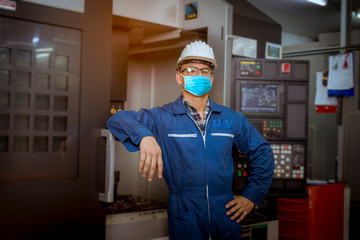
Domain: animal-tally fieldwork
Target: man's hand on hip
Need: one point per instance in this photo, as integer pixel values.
(239, 207)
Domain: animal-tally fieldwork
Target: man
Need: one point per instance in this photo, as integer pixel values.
(192, 140)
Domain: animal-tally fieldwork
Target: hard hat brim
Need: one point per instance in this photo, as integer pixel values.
(188, 59)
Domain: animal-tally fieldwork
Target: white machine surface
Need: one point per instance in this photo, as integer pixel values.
(268, 230)
(145, 225)
(153, 225)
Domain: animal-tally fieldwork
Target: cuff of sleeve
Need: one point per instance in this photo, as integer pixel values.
(139, 134)
(254, 194)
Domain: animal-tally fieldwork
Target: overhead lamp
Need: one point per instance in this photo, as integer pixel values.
(319, 2)
(356, 13)
(35, 40)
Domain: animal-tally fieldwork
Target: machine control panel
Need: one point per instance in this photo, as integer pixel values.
(271, 129)
(289, 160)
(289, 172)
(273, 95)
(241, 171)
(250, 68)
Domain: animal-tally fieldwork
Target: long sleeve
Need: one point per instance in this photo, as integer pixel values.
(129, 127)
(261, 161)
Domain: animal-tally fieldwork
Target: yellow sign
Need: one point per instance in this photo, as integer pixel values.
(247, 62)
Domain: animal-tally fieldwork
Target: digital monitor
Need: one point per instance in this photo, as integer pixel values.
(259, 99)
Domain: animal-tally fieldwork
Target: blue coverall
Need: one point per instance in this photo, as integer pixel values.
(198, 169)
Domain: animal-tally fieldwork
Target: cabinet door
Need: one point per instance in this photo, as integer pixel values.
(39, 112)
(42, 191)
(326, 211)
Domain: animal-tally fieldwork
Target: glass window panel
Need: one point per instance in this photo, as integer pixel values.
(4, 121)
(22, 100)
(42, 81)
(22, 79)
(62, 62)
(4, 78)
(5, 56)
(40, 144)
(41, 123)
(23, 58)
(60, 123)
(61, 82)
(42, 102)
(21, 143)
(60, 103)
(59, 144)
(21, 122)
(4, 143)
(4, 99)
(43, 60)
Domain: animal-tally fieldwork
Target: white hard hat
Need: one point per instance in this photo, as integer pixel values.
(197, 51)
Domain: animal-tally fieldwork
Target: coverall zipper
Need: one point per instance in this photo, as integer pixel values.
(207, 186)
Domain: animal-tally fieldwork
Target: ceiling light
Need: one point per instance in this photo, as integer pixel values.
(319, 2)
(356, 13)
(35, 40)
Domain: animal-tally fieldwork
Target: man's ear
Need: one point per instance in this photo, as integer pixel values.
(179, 79)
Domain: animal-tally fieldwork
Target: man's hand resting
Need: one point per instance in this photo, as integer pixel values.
(150, 157)
(239, 207)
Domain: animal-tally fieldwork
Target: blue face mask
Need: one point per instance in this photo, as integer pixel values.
(197, 85)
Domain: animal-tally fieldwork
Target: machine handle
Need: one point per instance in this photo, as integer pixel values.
(108, 195)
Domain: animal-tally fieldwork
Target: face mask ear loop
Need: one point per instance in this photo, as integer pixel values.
(182, 85)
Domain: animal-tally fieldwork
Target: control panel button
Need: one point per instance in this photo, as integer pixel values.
(269, 128)
(289, 160)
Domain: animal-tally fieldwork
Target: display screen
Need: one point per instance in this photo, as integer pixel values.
(250, 68)
(259, 98)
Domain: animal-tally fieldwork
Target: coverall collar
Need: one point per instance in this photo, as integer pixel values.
(179, 107)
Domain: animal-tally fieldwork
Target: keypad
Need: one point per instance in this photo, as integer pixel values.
(269, 128)
(289, 161)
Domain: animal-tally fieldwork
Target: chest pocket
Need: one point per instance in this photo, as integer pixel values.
(222, 135)
(182, 135)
